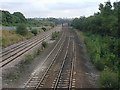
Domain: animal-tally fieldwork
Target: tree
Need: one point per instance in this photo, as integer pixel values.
(21, 18)
(7, 18)
(108, 8)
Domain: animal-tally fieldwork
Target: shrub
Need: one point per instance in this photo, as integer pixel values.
(44, 44)
(38, 51)
(35, 32)
(28, 58)
(109, 79)
(22, 30)
(44, 29)
(99, 65)
(52, 25)
(54, 35)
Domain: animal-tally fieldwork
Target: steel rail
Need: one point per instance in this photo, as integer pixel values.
(72, 66)
(22, 44)
(21, 49)
(61, 69)
(43, 77)
(5, 62)
(45, 59)
(4, 51)
(17, 47)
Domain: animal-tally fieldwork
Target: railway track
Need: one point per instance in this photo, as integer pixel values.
(13, 53)
(5, 52)
(18, 45)
(12, 47)
(62, 80)
(35, 80)
(66, 77)
(58, 82)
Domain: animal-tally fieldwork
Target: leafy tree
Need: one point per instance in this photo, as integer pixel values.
(103, 34)
(22, 18)
(7, 18)
(12, 19)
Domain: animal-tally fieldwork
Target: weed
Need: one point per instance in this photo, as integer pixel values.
(34, 31)
(44, 44)
(54, 35)
(109, 79)
(28, 58)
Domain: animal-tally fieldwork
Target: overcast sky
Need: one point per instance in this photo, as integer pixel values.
(52, 8)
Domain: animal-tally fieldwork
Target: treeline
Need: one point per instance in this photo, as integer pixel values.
(18, 18)
(104, 22)
(43, 22)
(9, 19)
(102, 40)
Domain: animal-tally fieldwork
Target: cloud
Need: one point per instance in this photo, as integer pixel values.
(52, 8)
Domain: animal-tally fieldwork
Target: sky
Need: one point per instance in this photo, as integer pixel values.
(52, 8)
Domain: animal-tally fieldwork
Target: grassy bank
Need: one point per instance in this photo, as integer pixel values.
(10, 37)
(103, 54)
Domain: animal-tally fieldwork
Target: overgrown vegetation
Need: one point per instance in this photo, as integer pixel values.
(109, 79)
(34, 31)
(22, 29)
(102, 41)
(10, 37)
(44, 29)
(54, 35)
(44, 44)
(28, 58)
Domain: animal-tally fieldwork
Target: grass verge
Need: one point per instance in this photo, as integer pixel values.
(10, 37)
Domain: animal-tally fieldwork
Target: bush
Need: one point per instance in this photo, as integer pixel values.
(52, 25)
(22, 30)
(28, 58)
(38, 51)
(109, 79)
(35, 32)
(44, 29)
(99, 65)
(44, 44)
(54, 35)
